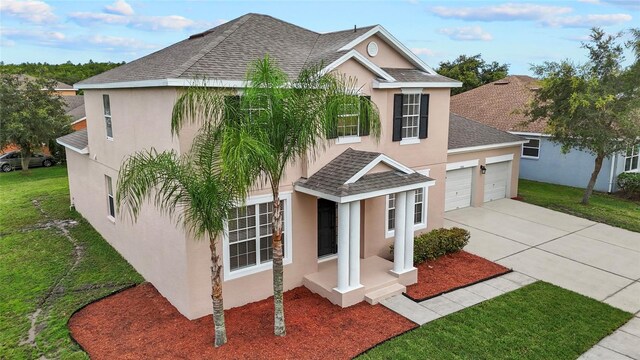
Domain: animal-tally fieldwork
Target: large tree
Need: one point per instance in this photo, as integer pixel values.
(472, 71)
(593, 107)
(277, 122)
(31, 114)
(193, 190)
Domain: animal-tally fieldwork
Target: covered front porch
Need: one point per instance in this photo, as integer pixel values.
(348, 181)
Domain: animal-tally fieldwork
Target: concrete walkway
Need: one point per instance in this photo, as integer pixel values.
(437, 307)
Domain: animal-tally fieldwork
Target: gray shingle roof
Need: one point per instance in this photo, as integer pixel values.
(74, 107)
(465, 133)
(331, 178)
(224, 52)
(415, 75)
(77, 139)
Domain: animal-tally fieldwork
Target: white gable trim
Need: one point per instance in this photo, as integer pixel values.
(397, 85)
(83, 151)
(77, 121)
(397, 45)
(352, 54)
(381, 158)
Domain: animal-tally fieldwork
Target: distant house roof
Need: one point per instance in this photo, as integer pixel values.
(58, 86)
(74, 107)
(77, 141)
(347, 175)
(223, 54)
(465, 133)
(499, 104)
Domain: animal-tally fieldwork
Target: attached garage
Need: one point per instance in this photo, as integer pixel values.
(496, 180)
(458, 188)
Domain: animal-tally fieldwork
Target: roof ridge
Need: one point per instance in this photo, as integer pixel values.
(357, 28)
(283, 21)
(212, 45)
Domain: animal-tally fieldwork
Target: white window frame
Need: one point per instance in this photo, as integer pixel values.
(416, 226)
(350, 139)
(288, 250)
(108, 121)
(405, 98)
(108, 184)
(635, 153)
(531, 147)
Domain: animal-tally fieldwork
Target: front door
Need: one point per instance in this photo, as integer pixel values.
(327, 237)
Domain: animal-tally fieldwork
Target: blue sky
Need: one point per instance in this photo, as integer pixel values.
(519, 33)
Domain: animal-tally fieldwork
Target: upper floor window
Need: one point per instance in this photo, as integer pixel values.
(349, 119)
(107, 116)
(631, 159)
(531, 149)
(352, 120)
(410, 117)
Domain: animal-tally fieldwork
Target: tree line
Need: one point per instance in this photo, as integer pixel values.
(68, 73)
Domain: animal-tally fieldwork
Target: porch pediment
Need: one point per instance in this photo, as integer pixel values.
(356, 175)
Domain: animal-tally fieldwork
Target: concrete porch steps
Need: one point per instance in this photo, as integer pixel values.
(375, 296)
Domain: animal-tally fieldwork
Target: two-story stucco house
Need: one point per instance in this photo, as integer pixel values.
(342, 210)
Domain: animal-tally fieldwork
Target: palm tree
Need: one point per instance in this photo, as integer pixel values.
(193, 190)
(275, 123)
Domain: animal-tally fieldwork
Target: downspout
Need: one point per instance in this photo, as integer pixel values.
(614, 157)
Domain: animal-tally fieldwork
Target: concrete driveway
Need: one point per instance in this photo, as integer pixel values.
(593, 259)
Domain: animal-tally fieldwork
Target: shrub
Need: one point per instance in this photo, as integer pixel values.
(629, 183)
(438, 242)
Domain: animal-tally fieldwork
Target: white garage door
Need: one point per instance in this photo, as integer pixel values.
(496, 181)
(458, 189)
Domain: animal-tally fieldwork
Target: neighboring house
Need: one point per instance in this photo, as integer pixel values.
(499, 104)
(355, 198)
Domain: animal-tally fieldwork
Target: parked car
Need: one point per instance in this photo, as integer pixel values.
(13, 160)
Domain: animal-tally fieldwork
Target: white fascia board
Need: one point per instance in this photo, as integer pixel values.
(352, 54)
(315, 193)
(523, 133)
(397, 45)
(164, 83)
(77, 121)
(363, 196)
(497, 159)
(486, 147)
(79, 151)
(381, 158)
(396, 85)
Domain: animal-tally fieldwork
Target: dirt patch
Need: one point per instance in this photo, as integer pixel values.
(451, 272)
(140, 323)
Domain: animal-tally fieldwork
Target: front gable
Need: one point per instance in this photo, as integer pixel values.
(386, 56)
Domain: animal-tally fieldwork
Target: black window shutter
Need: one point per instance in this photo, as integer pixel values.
(231, 107)
(397, 117)
(365, 125)
(424, 116)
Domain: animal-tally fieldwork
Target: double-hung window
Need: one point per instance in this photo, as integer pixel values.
(349, 119)
(106, 103)
(531, 149)
(418, 215)
(410, 116)
(631, 159)
(111, 209)
(248, 238)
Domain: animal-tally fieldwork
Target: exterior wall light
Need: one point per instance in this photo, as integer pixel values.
(483, 169)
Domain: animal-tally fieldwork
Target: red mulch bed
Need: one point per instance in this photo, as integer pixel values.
(450, 272)
(139, 323)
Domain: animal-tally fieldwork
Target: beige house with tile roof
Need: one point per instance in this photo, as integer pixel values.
(342, 210)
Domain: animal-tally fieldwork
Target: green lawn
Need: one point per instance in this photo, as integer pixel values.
(36, 265)
(604, 208)
(539, 321)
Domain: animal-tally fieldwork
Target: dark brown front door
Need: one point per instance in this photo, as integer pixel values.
(327, 237)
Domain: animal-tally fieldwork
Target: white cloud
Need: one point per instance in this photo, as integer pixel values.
(33, 11)
(468, 33)
(423, 51)
(59, 40)
(588, 21)
(120, 7)
(503, 12)
(150, 23)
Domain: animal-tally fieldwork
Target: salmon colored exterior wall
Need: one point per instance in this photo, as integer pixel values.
(177, 264)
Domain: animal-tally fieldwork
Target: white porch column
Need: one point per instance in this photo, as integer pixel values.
(408, 229)
(398, 245)
(343, 247)
(354, 244)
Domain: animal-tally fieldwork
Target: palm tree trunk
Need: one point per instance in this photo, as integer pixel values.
(216, 295)
(278, 270)
(592, 182)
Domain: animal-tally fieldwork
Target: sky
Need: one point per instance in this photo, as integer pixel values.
(519, 33)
